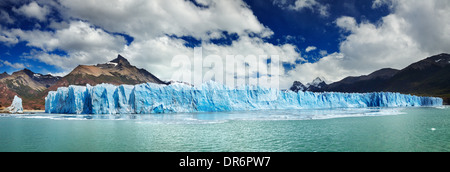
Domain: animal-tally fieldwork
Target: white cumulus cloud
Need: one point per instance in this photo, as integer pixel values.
(414, 30)
(144, 19)
(13, 65)
(33, 10)
(91, 32)
(83, 43)
(299, 5)
(157, 26)
(310, 48)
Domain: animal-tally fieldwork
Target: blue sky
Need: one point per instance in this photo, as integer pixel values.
(308, 28)
(314, 38)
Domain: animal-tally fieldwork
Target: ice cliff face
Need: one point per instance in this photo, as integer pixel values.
(211, 97)
(16, 106)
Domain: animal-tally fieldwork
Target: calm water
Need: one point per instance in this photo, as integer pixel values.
(375, 129)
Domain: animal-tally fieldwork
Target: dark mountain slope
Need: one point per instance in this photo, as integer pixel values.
(366, 83)
(428, 77)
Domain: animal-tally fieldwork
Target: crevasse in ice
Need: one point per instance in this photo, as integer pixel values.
(210, 97)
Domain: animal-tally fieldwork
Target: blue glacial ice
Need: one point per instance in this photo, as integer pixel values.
(211, 97)
(16, 106)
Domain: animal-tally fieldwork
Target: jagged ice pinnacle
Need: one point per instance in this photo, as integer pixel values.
(210, 97)
(16, 105)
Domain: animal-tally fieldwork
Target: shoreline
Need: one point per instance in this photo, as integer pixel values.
(33, 111)
(24, 111)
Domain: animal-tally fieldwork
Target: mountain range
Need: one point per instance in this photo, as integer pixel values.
(118, 71)
(33, 87)
(27, 85)
(428, 77)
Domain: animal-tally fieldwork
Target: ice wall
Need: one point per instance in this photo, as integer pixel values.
(211, 97)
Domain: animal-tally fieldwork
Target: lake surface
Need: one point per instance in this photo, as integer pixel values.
(325, 130)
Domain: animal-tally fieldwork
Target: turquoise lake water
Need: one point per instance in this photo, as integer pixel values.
(327, 130)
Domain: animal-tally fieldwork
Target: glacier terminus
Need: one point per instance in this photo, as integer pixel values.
(152, 98)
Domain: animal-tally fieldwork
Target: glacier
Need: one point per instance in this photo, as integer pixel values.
(152, 98)
(16, 105)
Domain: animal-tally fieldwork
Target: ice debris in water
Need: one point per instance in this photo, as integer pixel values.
(151, 98)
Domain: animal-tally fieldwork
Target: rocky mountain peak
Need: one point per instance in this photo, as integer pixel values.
(24, 71)
(317, 81)
(440, 60)
(3, 75)
(316, 84)
(120, 60)
(298, 86)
